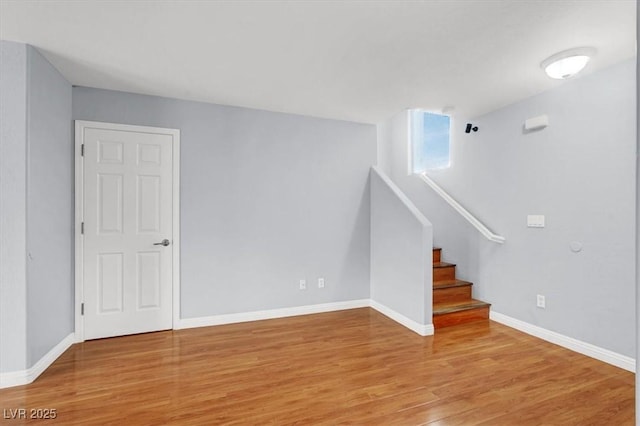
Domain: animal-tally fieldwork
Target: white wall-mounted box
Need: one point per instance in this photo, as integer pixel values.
(535, 221)
(536, 123)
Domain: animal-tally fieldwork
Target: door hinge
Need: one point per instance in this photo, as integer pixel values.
(82, 150)
(82, 309)
(82, 228)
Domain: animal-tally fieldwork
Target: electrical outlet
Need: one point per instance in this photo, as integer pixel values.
(303, 284)
(320, 282)
(541, 302)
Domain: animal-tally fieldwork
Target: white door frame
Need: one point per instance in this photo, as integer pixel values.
(80, 126)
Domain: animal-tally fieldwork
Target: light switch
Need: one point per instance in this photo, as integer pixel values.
(535, 221)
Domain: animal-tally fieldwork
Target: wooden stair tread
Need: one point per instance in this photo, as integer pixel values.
(443, 265)
(447, 308)
(450, 283)
(452, 298)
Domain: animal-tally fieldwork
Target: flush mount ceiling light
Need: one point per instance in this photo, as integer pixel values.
(567, 63)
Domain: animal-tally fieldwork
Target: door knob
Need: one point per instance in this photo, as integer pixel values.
(164, 242)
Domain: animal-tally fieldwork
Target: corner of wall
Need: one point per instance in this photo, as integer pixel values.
(49, 208)
(637, 214)
(13, 184)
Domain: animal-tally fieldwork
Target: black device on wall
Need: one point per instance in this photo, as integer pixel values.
(471, 127)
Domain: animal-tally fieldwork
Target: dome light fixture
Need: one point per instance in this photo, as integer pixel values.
(567, 63)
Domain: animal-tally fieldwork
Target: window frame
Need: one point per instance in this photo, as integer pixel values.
(415, 125)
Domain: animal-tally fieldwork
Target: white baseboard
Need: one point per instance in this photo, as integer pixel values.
(270, 314)
(575, 345)
(23, 377)
(421, 329)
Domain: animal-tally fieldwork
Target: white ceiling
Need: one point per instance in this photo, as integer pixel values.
(353, 60)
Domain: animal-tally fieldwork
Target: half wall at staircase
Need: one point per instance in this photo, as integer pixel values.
(401, 244)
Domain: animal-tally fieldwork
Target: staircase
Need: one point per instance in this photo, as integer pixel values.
(452, 302)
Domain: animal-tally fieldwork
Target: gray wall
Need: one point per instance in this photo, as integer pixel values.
(580, 173)
(267, 199)
(50, 208)
(401, 252)
(13, 205)
(36, 196)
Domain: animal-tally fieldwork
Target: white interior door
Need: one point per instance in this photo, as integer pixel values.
(128, 236)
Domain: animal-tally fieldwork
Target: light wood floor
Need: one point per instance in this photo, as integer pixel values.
(349, 367)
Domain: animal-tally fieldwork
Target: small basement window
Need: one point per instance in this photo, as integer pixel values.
(429, 141)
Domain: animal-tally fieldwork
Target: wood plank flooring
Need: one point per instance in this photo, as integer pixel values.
(349, 367)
